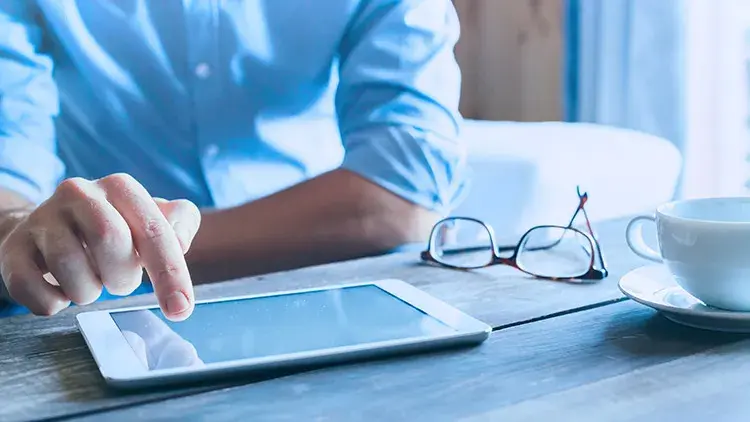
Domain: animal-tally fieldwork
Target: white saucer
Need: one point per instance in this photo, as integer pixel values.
(655, 287)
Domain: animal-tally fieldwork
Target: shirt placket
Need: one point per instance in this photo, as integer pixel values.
(203, 50)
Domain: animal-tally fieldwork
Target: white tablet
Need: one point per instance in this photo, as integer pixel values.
(137, 347)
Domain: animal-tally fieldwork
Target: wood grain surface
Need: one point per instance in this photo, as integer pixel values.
(511, 53)
(709, 385)
(617, 362)
(47, 370)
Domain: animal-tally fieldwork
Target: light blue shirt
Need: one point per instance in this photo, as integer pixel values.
(226, 101)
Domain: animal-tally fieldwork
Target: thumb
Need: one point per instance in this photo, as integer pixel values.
(184, 217)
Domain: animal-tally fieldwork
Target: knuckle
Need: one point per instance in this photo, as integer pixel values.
(73, 187)
(166, 273)
(119, 180)
(73, 196)
(154, 229)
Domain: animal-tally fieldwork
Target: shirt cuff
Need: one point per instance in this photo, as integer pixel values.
(418, 166)
(28, 169)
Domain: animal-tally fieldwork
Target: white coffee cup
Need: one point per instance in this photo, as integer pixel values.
(705, 244)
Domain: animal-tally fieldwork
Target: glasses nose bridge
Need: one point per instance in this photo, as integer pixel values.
(506, 260)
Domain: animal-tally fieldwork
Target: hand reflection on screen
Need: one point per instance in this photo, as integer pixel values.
(155, 344)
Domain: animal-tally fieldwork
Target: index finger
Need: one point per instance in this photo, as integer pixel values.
(156, 243)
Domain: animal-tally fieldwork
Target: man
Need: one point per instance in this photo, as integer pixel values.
(108, 106)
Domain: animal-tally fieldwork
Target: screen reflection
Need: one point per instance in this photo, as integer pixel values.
(259, 327)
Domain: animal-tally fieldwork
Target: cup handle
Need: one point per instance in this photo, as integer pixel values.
(634, 237)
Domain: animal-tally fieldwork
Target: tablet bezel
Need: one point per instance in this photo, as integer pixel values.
(120, 366)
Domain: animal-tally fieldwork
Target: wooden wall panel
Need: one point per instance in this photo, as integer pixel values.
(510, 56)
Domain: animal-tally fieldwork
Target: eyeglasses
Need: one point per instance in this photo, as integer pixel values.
(548, 251)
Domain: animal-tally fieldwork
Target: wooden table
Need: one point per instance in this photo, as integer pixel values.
(559, 351)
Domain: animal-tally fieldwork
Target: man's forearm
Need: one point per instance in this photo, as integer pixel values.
(333, 217)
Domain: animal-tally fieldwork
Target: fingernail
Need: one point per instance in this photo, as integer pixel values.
(183, 235)
(177, 303)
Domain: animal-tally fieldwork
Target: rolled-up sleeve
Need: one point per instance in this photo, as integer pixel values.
(397, 101)
(29, 103)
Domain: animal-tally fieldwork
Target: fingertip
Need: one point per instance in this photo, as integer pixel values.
(121, 289)
(48, 308)
(179, 317)
(88, 297)
(33, 292)
(124, 283)
(60, 305)
(178, 306)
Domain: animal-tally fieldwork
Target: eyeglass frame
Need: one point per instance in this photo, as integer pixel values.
(592, 274)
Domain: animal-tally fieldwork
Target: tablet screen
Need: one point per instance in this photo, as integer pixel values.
(272, 325)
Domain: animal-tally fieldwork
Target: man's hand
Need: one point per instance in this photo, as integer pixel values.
(91, 234)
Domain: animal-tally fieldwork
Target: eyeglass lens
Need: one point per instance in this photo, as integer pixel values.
(462, 243)
(555, 252)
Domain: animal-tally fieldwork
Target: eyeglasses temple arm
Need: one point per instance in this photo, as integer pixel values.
(596, 241)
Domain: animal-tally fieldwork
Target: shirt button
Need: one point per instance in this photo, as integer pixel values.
(203, 70)
(212, 151)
